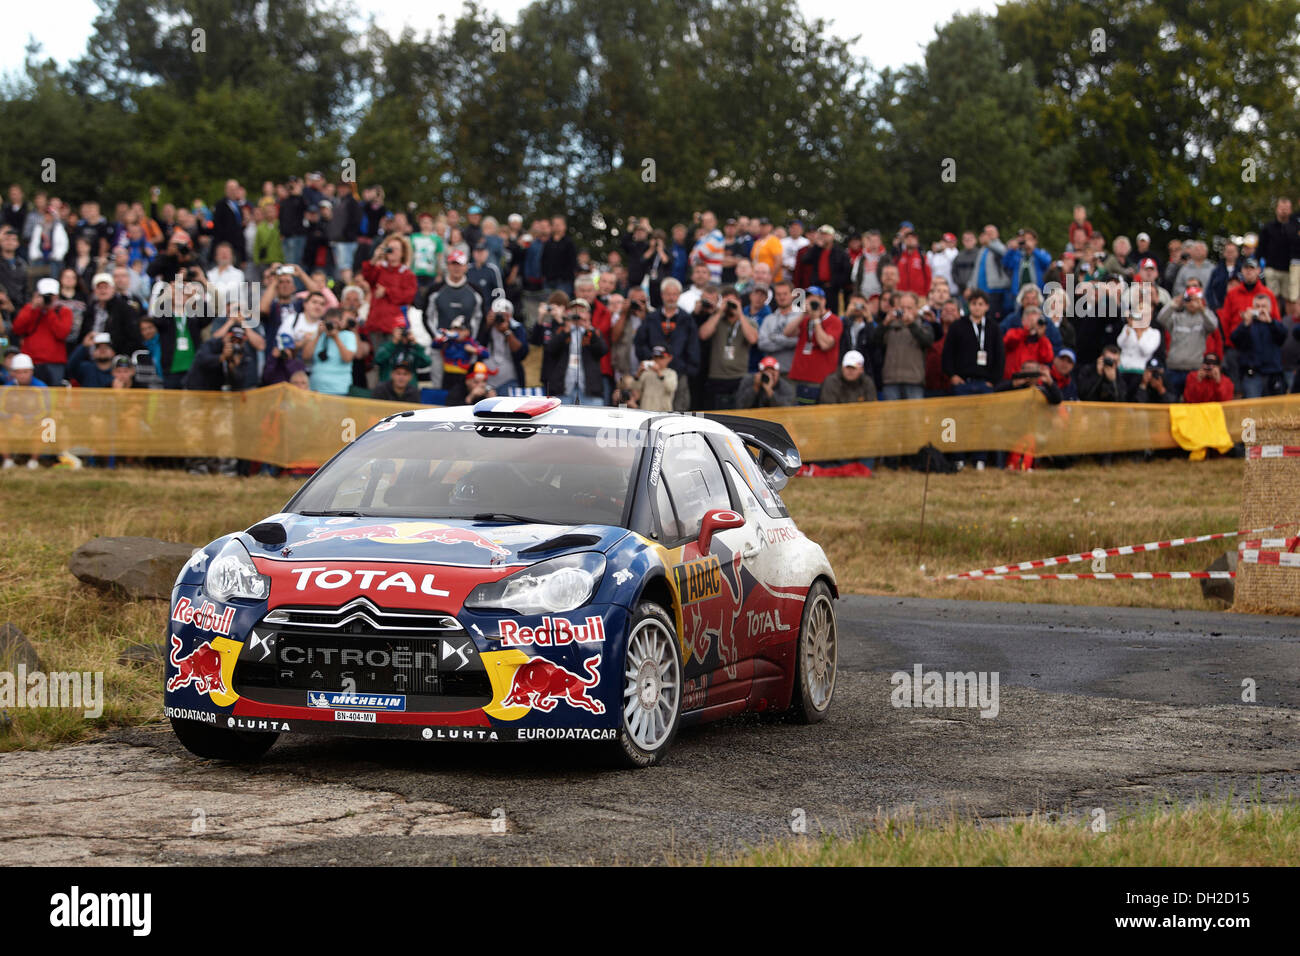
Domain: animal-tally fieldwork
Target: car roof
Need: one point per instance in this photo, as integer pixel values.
(590, 416)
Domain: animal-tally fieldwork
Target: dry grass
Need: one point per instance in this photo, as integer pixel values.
(1203, 834)
(868, 527)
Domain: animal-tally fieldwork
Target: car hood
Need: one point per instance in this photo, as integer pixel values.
(447, 541)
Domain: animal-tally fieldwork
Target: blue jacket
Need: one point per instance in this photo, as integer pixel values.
(1259, 346)
(1011, 262)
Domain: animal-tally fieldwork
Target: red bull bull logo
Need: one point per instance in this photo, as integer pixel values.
(201, 667)
(461, 536)
(542, 684)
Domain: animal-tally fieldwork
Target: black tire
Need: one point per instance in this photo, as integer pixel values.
(219, 743)
(807, 705)
(632, 748)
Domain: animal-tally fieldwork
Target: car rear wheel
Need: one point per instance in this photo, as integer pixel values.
(219, 743)
(652, 688)
(815, 657)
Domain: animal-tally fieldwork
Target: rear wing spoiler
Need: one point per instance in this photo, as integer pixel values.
(777, 455)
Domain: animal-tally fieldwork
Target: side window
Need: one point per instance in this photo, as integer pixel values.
(669, 528)
(695, 482)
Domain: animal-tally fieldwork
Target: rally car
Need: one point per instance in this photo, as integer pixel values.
(516, 570)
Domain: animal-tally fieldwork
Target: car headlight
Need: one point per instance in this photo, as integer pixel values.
(560, 584)
(231, 574)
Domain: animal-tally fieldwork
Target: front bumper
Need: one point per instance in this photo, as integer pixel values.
(431, 675)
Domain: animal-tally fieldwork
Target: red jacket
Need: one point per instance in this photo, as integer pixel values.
(913, 273)
(1205, 390)
(399, 289)
(602, 320)
(44, 333)
(1020, 350)
(1238, 299)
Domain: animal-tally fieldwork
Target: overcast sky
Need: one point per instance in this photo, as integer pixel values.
(890, 33)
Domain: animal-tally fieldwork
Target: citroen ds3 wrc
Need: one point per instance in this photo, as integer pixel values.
(519, 570)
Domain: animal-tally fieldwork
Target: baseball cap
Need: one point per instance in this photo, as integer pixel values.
(481, 244)
(826, 230)
(123, 361)
(1210, 359)
(20, 362)
(475, 210)
(1250, 262)
(1142, 236)
(764, 221)
(949, 237)
(1068, 353)
(1148, 263)
(286, 340)
(325, 202)
(47, 287)
(854, 358)
(479, 369)
(458, 322)
(580, 303)
(404, 360)
(758, 287)
(817, 291)
(1193, 292)
(180, 237)
(503, 304)
(906, 224)
(102, 338)
(769, 361)
(101, 277)
(456, 255)
(237, 332)
(658, 350)
(1250, 239)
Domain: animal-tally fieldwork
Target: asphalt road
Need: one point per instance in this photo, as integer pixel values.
(1097, 707)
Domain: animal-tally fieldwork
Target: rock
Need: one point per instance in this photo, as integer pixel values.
(1222, 588)
(142, 654)
(136, 567)
(15, 649)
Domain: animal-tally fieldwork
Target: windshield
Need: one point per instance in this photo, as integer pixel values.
(475, 470)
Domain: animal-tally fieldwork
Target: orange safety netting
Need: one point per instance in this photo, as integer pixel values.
(287, 426)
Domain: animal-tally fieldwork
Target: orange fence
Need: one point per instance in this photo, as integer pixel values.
(283, 425)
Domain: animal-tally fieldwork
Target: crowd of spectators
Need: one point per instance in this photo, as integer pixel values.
(327, 288)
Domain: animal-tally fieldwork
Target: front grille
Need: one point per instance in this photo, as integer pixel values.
(359, 647)
(360, 616)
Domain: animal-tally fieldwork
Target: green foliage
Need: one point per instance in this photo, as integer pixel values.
(603, 110)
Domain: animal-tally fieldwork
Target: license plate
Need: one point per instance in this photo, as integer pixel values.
(356, 716)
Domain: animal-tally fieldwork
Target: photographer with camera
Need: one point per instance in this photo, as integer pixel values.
(575, 351)
(1101, 383)
(1153, 388)
(731, 336)
(677, 332)
(282, 360)
(817, 345)
(1208, 383)
(1029, 343)
(178, 256)
(904, 337)
(767, 388)
(656, 383)
(1258, 341)
(401, 344)
(334, 346)
(505, 345)
(1139, 342)
(392, 285)
(44, 326)
(459, 353)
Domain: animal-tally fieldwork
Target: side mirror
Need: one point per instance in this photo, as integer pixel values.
(719, 519)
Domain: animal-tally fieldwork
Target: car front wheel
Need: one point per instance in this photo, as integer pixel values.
(219, 743)
(652, 688)
(815, 657)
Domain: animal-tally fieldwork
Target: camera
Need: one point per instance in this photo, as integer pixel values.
(284, 271)
(330, 326)
(1108, 361)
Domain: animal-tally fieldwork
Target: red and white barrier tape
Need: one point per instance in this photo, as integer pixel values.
(1285, 544)
(1117, 576)
(1003, 570)
(1281, 559)
(1256, 452)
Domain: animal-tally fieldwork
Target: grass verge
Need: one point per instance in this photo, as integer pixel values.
(1201, 834)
